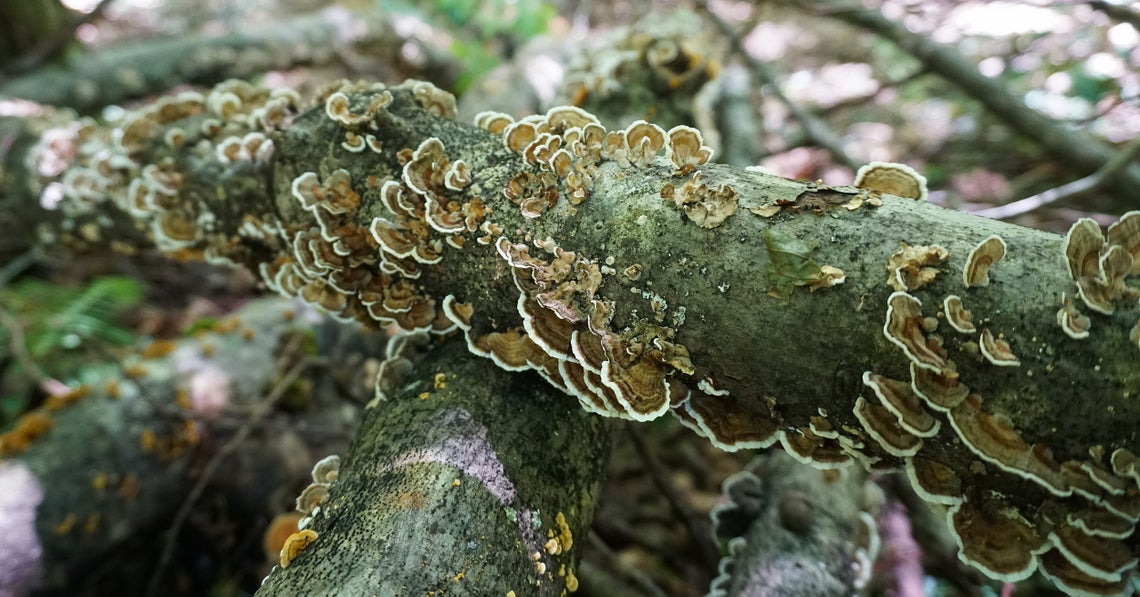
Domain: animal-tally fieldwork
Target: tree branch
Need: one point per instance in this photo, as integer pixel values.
(1069, 146)
(667, 288)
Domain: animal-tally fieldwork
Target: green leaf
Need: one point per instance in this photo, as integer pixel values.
(789, 264)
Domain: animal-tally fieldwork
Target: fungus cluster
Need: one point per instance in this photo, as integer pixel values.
(1099, 265)
(1074, 537)
(912, 267)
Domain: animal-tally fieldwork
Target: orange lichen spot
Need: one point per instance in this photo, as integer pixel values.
(134, 371)
(148, 441)
(440, 381)
(912, 267)
(997, 350)
(957, 315)
(294, 545)
(893, 179)
(27, 429)
(66, 525)
(129, 487)
(278, 532)
(91, 523)
(158, 349)
(996, 540)
(981, 259)
(59, 401)
(112, 389)
(904, 328)
(207, 349)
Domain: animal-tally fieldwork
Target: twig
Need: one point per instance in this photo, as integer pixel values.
(698, 529)
(627, 573)
(814, 128)
(1076, 187)
(19, 349)
(1076, 148)
(17, 266)
(266, 406)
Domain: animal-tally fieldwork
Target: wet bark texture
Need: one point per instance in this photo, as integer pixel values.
(466, 481)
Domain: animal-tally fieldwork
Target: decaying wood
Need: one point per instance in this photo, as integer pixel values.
(703, 285)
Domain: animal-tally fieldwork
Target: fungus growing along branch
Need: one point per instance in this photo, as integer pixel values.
(464, 479)
(641, 279)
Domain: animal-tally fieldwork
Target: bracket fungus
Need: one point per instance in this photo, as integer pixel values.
(997, 350)
(912, 267)
(957, 315)
(686, 149)
(898, 398)
(978, 262)
(998, 541)
(892, 179)
(884, 428)
(295, 544)
(1075, 324)
(1099, 267)
(904, 328)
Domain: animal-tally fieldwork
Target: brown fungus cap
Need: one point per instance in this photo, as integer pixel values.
(892, 179)
(996, 540)
(1057, 568)
(994, 440)
(912, 267)
(546, 329)
(934, 481)
(1074, 323)
(728, 423)
(686, 149)
(941, 391)
(996, 350)
(510, 350)
(1125, 233)
(493, 122)
(643, 140)
(903, 328)
(882, 426)
(897, 397)
(978, 262)
(1099, 557)
(295, 544)
(957, 315)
